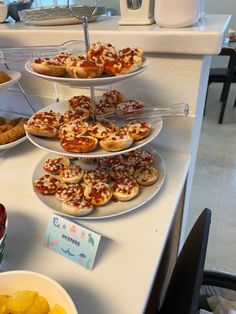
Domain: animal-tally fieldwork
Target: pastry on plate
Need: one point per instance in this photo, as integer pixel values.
(98, 194)
(68, 191)
(95, 175)
(77, 207)
(83, 68)
(72, 129)
(146, 175)
(72, 174)
(129, 60)
(117, 141)
(46, 184)
(125, 189)
(49, 67)
(110, 161)
(138, 130)
(102, 128)
(81, 114)
(80, 144)
(80, 102)
(56, 164)
(140, 158)
(128, 107)
(44, 123)
(108, 102)
(121, 170)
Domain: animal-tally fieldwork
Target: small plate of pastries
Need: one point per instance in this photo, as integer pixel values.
(103, 64)
(8, 79)
(100, 187)
(66, 128)
(12, 130)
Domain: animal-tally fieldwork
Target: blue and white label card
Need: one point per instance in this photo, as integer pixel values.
(72, 240)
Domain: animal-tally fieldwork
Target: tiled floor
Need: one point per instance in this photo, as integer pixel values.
(214, 183)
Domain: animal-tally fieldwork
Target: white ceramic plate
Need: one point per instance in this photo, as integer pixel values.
(15, 76)
(53, 144)
(111, 209)
(104, 79)
(9, 116)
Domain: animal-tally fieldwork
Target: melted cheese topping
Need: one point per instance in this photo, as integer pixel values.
(56, 165)
(68, 191)
(46, 184)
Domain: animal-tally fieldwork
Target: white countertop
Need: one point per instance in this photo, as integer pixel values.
(205, 38)
(131, 245)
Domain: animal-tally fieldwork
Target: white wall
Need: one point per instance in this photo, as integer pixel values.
(222, 7)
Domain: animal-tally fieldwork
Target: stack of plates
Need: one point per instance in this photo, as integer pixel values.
(59, 15)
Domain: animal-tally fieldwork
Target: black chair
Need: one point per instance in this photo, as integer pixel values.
(220, 75)
(227, 76)
(189, 284)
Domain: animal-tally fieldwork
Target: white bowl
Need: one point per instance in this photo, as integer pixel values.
(11, 281)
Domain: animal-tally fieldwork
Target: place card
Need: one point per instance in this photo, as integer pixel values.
(68, 238)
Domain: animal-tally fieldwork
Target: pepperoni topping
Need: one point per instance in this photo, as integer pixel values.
(108, 162)
(68, 191)
(71, 172)
(102, 128)
(80, 102)
(125, 185)
(98, 194)
(46, 184)
(72, 129)
(140, 158)
(121, 170)
(96, 175)
(56, 165)
(49, 118)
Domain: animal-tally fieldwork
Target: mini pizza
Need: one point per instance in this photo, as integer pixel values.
(71, 115)
(129, 60)
(146, 175)
(80, 102)
(56, 165)
(49, 67)
(96, 175)
(72, 129)
(102, 128)
(44, 123)
(104, 109)
(112, 97)
(129, 107)
(46, 185)
(110, 161)
(80, 144)
(117, 141)
(72, 174)
(77, 207)
(140, 158)
(50, 118)
(98, 194)
(108, 102)
(138, 130)
(102, 52)
(40, 129)
(83, 68)
(121, 170)
(68, 191)
(125, 189)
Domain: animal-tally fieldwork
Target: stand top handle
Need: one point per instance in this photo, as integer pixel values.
(84, 19)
